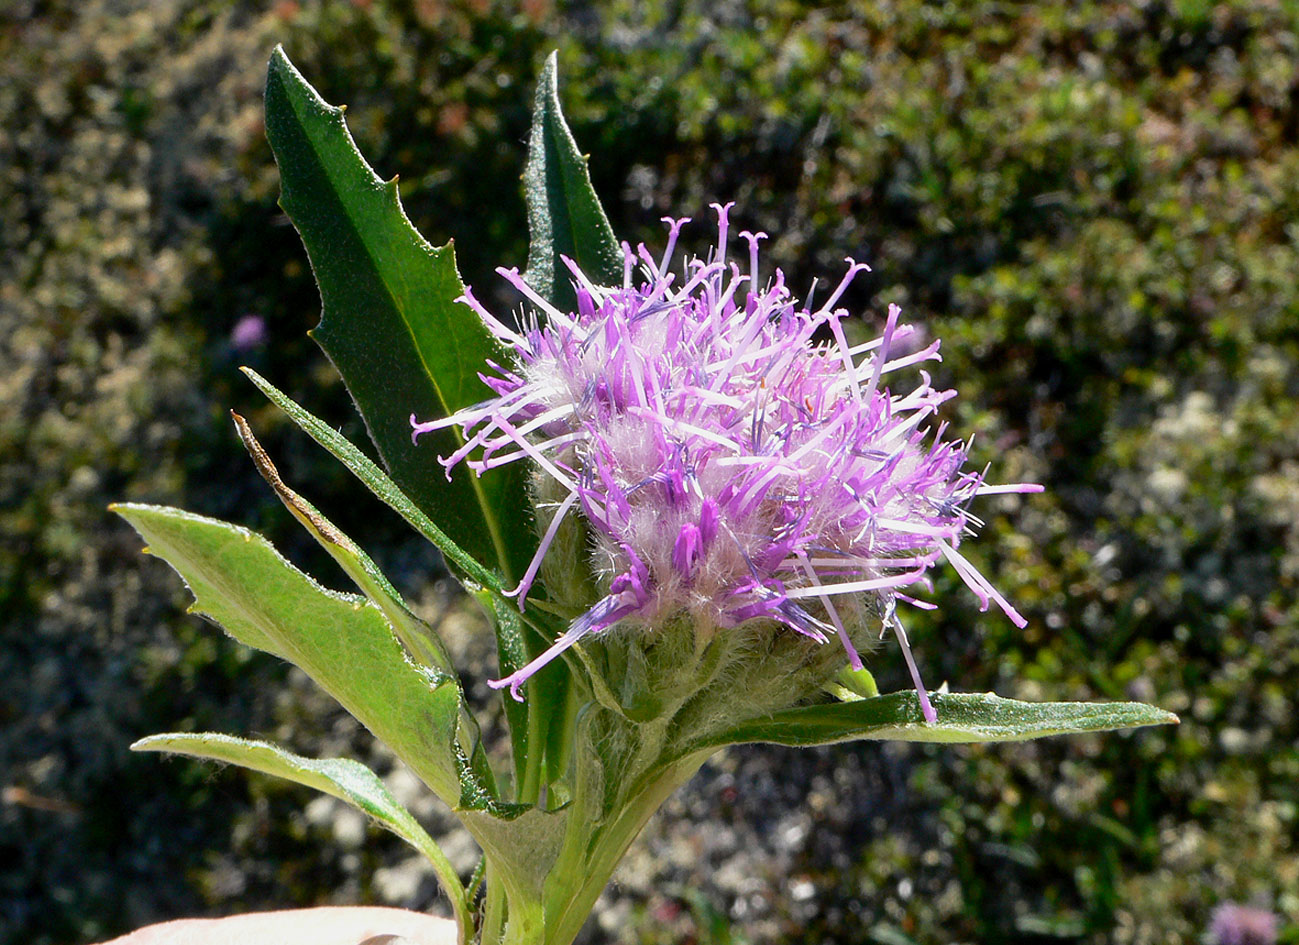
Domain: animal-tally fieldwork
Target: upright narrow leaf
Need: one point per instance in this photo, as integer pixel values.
(390, 322)
(511, 653)
(378, 482)
(565, 218)
(564, 214)
(421, 640)
(518, 641)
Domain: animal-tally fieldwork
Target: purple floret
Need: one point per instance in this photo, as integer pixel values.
(1236, 924)
(726, 464)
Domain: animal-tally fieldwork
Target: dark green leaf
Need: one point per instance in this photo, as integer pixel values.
(564, 214)
(512, 655)
(390, 322)
(962, 717)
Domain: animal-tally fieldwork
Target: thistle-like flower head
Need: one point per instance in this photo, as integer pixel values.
(727, 464)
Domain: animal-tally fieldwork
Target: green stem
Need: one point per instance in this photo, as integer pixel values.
(559, 753)
(529, 791)
(455, 892)
(525, 924)
(493, 911)
(476, 880)
(609, 844)
(510, 916)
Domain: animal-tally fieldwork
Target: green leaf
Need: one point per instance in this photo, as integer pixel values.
(962, 717)
(378, 482)
(345, 644)
(420, 640)
(521, 848)
(564, 214)
(390, 322)
(342, 641)
(512, 655)
(539, 729)
(517, 640)
(347, 780)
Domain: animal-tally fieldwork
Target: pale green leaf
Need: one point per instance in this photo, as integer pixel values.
(962, 717)
(420, 640)
(347, 780)
(342, 641)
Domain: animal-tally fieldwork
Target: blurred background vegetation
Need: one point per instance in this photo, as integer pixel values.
(1096, 206)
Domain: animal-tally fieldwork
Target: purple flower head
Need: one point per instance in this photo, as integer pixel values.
(1235, 924)
(249, 332)
(727, 464)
